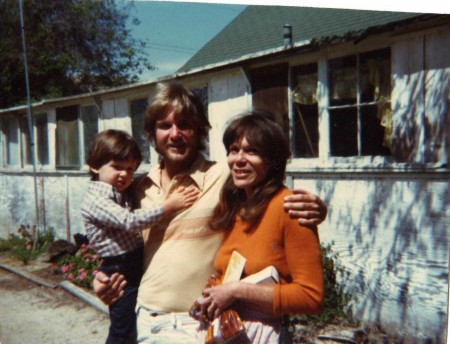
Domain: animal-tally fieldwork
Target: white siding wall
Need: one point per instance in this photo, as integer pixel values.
(391, 233)
(228, 96)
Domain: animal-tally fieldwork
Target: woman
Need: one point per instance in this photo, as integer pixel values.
(250, 209)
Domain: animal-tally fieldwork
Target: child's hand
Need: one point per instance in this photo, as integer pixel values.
(181, 198)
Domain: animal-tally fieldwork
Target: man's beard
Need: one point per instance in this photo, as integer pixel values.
(184, 158)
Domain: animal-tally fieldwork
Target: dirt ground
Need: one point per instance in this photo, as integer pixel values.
(30, 313)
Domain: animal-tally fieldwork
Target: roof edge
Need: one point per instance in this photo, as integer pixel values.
(267, 52)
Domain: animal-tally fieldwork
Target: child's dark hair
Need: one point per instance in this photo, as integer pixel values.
(112, 144)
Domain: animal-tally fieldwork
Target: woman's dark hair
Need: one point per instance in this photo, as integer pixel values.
(272, 144)
(185, 102)
(111, 145)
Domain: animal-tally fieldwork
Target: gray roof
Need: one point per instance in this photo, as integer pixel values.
(260, 28)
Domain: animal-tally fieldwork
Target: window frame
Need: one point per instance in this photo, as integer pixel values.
(41, 129)
(325, 159)
(140, 135)
(359, 105)
(68, 165)
(26, 158)
(6, 142)
(87, 134)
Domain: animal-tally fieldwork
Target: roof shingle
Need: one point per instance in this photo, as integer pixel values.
(260, 28)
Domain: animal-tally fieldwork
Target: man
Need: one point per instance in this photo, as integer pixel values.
(179, 251)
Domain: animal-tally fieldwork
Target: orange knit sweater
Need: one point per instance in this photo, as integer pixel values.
(293, 250)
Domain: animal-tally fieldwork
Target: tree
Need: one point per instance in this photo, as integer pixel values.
(73, 46)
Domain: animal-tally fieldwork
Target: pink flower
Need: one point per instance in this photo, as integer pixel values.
(95, 257)
(82, 275)
(95, 272)
(70, 276)
(88, 260)
(64, 268)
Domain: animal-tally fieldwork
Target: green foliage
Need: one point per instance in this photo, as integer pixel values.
(73, 46)
(337, 300)
(80, 268)
(29, 244)
(12, 242)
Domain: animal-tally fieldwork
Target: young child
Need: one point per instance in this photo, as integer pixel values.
(113, 229)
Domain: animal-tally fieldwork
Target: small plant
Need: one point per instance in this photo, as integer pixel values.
(337, 300)
(80, 268)
(29, 244)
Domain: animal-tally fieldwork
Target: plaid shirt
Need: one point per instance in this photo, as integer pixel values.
(111, 226)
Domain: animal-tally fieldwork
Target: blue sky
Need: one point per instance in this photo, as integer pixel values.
(175, 30)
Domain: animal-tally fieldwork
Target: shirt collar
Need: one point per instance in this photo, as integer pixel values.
(103, 189)
(196, 172)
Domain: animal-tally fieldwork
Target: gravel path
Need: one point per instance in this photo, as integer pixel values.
(34, 314)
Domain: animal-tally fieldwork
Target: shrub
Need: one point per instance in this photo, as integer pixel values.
(337, 300)
(80, 268)
(30, 244)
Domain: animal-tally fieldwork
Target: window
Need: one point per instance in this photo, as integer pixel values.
(359, 91)
(202, 92)
(11, 134)
(137, 113)
(25, 142)
(305, 111)
(269, 91)
(89, 118)
(41, 139)
(67, 137)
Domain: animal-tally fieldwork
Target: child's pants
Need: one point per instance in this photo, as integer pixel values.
(122, 313)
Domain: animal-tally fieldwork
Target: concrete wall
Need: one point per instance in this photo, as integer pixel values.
(59, 200)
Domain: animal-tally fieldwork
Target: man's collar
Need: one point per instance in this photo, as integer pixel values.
(196, 172)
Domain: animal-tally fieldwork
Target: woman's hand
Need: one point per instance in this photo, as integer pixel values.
(218, 298)
(109, 289)
(306, 207)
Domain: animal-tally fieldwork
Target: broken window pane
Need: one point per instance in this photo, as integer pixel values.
(306, 111)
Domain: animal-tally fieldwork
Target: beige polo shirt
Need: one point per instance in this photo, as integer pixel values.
(179, 253)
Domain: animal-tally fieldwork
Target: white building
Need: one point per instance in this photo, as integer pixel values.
(365, 98)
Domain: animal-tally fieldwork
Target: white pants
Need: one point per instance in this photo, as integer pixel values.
(165, 328)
